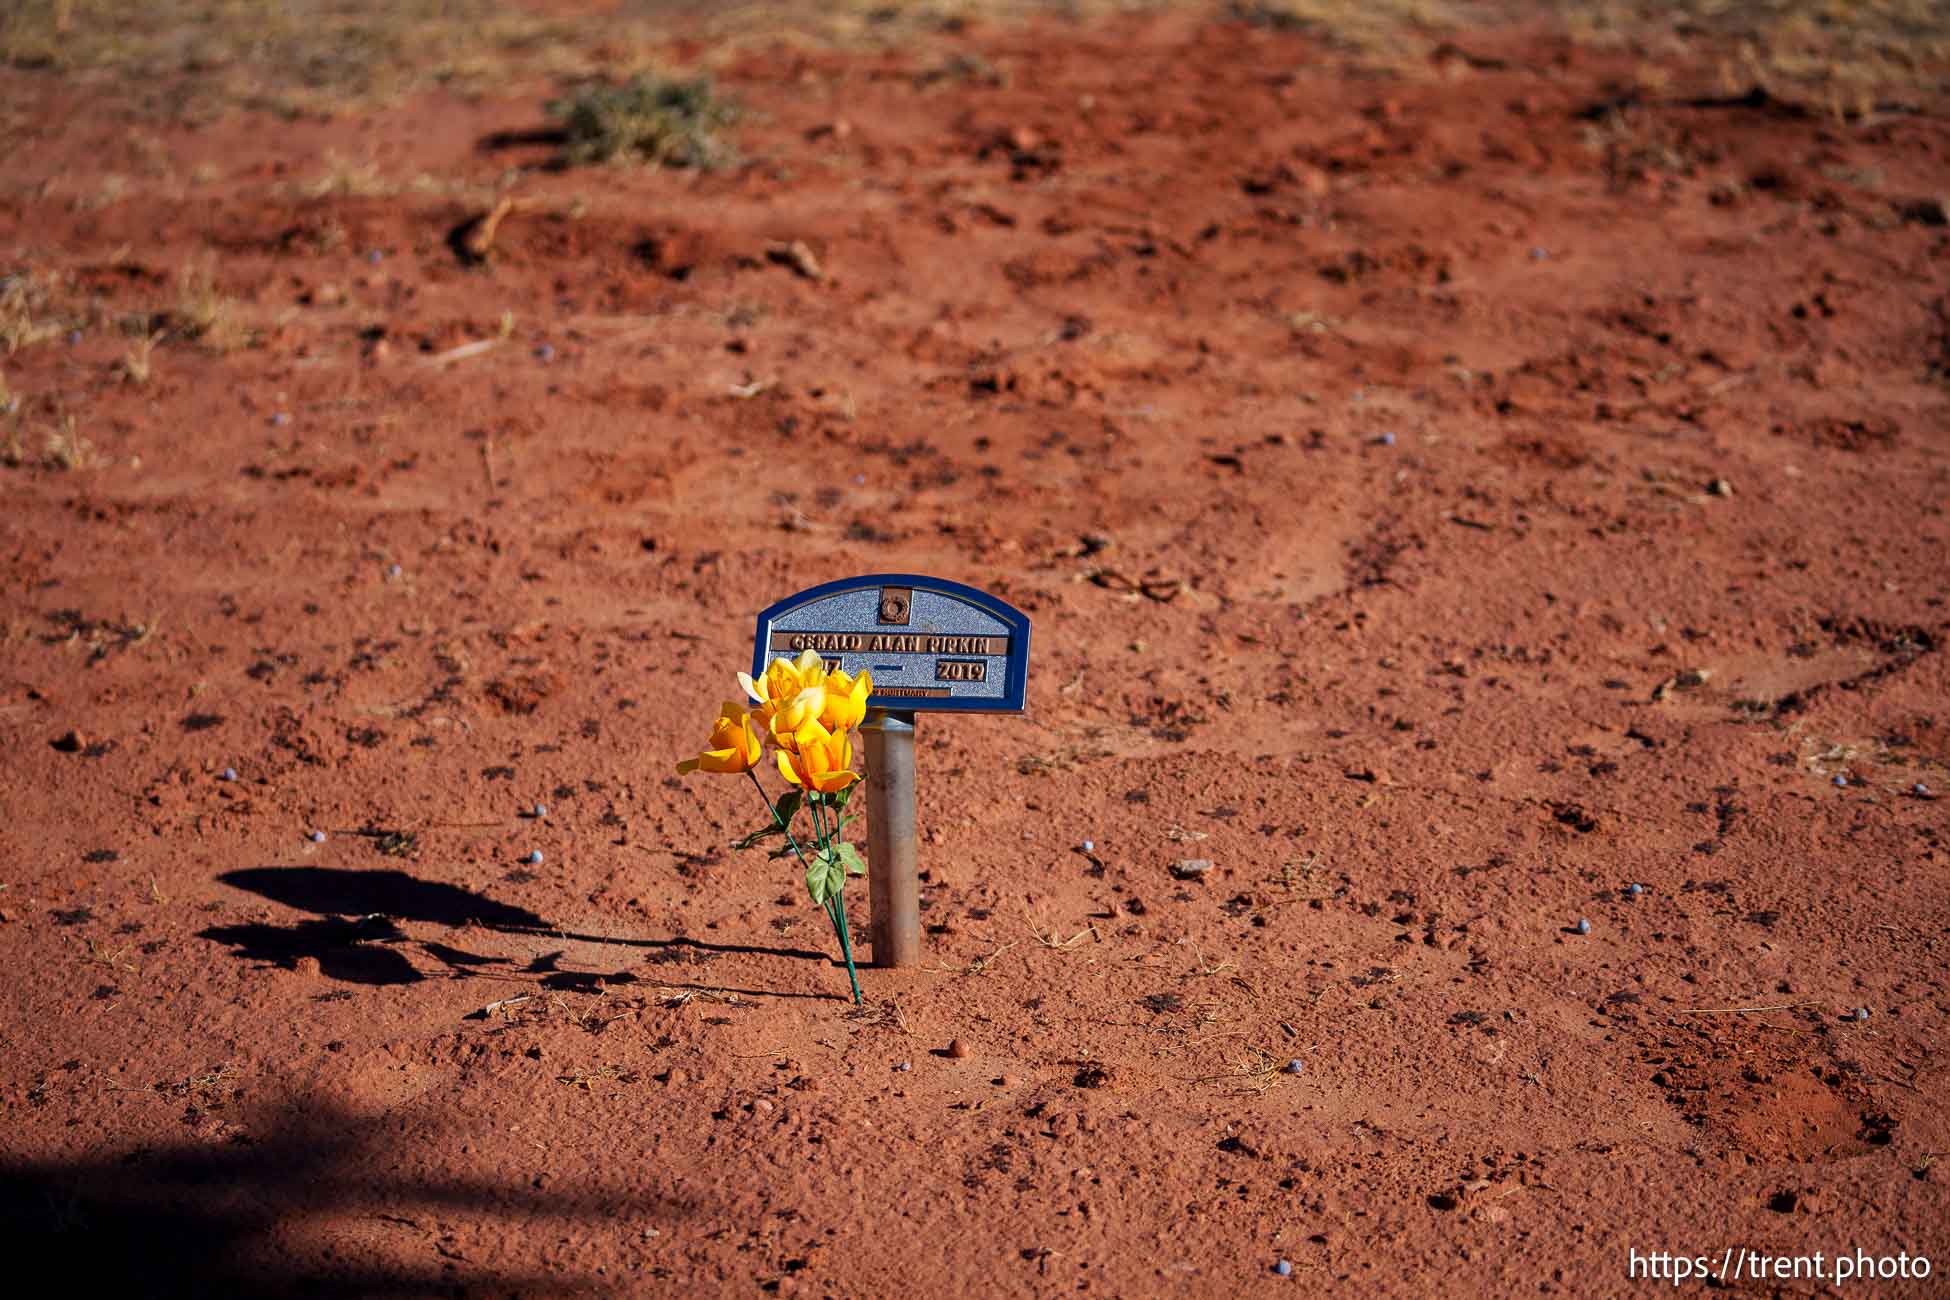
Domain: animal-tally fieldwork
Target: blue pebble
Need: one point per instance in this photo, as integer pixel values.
(1386, 440)
(318, 837)
(394, 571)
(1634, 889)
(230, 774)
(1860, 1013)
(535, 858)
(1090, 846)
(541, 810)
(1283, 1268)
(1841, 780)
(546, 352)
(279, 420)
(1920, 790)
(1294, 1067)
(1583, 926)
(74, 337)
(375, 257)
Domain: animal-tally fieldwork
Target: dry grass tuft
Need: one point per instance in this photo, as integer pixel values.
(203, 313)
(648, 119)
(27, 314)
(62, 448)
(137, 364)
(1846, 59)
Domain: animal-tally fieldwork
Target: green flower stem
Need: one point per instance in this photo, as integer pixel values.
(823, 843)
(846, 941)
(828, 822)
(775, 815)
(819, 827)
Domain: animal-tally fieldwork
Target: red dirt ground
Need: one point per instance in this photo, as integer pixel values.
(1444, 498)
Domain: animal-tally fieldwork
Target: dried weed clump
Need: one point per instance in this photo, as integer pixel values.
(204, 313)
(26, 311)
(650, 119)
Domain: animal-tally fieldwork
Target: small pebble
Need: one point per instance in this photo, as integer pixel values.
(1294, 1067)
(1841, 780)
(318, 837)
(375, 257)
(1860, 1013)
(1386, 440)
(902, 1067)
(1920, 790)
(1540, 254)
(279, 420)
(535, 858)
(230, 774)
(393, 570)
(541, 810)
(1283, 1268)
(859, 480)
(1583, 926)
(1634, 889)
(1090, 846)
(546, 352)
(74, 337)
(957, 1050)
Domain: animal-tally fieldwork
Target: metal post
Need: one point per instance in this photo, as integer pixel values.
(893, 881)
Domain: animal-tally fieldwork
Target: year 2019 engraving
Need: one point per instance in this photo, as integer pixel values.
(961, 670)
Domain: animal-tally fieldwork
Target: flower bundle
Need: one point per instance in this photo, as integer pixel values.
(806, 712)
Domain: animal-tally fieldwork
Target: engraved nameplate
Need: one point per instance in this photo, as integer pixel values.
(929, 643)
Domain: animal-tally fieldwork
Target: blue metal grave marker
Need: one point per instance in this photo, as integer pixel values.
(932, 646)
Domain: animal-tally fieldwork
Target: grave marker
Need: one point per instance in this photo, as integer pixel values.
(932, 646)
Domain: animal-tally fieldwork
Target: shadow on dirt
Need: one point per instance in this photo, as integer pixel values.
(356, 934)
(340, 892)
(306, 1208)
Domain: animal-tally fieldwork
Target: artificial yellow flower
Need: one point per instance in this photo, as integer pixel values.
(822, 763)
(811, 667)
(809, 705)
(846, 699)
(735, 744)
(783, 679)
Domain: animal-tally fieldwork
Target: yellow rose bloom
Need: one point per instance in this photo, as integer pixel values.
(823, 761)
(846, 699)
(807, 706)
(811, 667)
(735, 744)
(783, 681)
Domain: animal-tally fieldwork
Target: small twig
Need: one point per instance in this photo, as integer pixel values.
(976, 967)
(464, 352)
(502, 1005)
(1051, 941)
(1742, 1011)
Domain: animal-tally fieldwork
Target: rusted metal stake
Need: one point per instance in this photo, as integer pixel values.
(893, 878)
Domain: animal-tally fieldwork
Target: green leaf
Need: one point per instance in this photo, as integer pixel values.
(824, 879)
(788, 806)
(757, 837)
(855, 864)
(784, 810)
